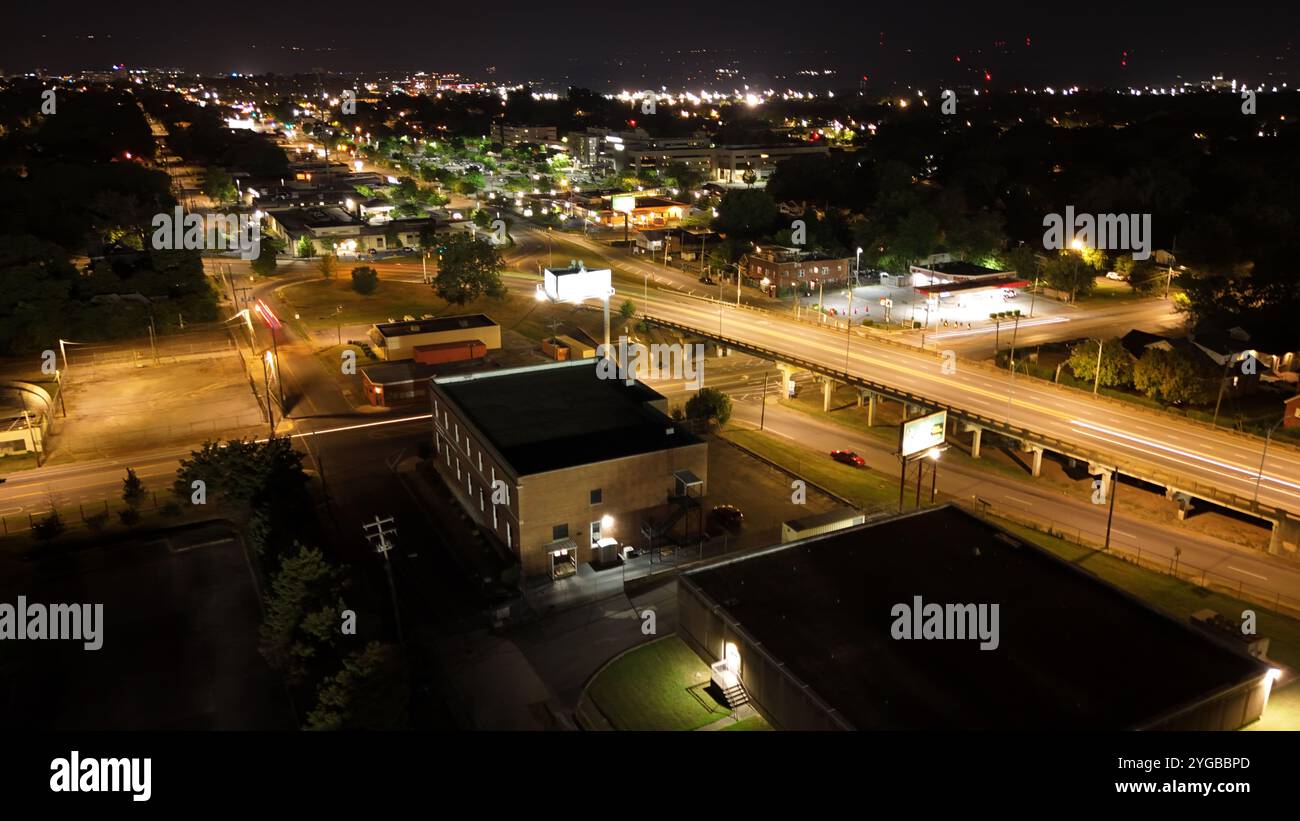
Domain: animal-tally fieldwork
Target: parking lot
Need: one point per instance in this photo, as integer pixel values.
(132, 395)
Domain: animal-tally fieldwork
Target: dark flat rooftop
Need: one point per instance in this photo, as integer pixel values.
(1074, 654)
(961, 268)
(441, 323)
(972, 285)
(556, 416)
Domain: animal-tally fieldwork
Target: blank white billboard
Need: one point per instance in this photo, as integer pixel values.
(569, 285)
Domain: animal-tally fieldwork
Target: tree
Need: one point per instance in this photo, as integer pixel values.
(219, 185)
(1023, 261)
(470, 268)
(1173, 377)
(1068, 271)
(49, 527)
(1116, 364)
(244, 472)
(746, 215)
(300, 628)
(265, 263)
(264, 479)
(749, 177)
(365, 280)
(370, 692)
(627, 309)
(686, 178)
(133, 490)
(327, 264)
(306, 248)
(709, 404)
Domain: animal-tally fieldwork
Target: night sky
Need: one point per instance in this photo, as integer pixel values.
(596, 44)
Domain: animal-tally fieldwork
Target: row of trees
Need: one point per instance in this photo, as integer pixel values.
(1174, 376)
(313, 632)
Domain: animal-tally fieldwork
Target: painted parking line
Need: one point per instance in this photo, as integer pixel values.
(1018, 499)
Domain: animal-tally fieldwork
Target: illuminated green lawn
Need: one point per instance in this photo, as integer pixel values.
(652, 688)
(751, 724)
(862, 486)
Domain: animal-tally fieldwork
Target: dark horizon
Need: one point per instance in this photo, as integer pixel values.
(589, 45)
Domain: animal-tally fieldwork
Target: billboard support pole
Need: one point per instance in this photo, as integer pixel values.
(902, 482)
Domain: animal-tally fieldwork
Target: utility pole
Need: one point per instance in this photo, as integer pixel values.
(1096, 378)
(1014, 330)
(1223, 383)
(848, 336)
(279, 373)
(1110, 515)
(266, 385)
(1259, 477)
(762, 414)
(378, 533)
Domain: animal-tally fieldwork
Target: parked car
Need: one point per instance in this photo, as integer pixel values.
(728, 516)
(707, 280)
(1115, 275)
(848, 457)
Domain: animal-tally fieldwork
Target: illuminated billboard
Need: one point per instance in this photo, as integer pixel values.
(577, 284)
(922, 433)
(625, 203)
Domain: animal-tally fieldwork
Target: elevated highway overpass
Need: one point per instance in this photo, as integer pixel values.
(1190, 459)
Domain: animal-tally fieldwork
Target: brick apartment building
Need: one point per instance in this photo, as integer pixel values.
(787, 269)
(574, 459)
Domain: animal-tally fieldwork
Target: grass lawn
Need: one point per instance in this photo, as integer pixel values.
(315, 301)
(748, 725)
(649, 688)
(17, 462)
(1173, 595)
(863, 486)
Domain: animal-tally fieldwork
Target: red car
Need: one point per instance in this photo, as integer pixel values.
(848, 457)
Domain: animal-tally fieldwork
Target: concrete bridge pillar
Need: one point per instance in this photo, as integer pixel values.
(1107, 475)
(873, 400)
(828, 393)
(1286, 536)
(975, 431)
(787, 375)
(1037, 469)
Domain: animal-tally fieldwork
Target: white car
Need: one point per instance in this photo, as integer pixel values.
(1115, 275)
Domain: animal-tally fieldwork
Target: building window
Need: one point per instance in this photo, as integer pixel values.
(596, 496)
(559, 532)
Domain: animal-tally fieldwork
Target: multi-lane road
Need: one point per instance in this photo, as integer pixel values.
(1144, 442)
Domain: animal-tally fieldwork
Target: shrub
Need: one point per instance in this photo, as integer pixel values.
(97, 521)
(365, 280)
(49, 527)
(129, 516)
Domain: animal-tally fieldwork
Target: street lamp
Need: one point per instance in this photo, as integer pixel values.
(857, 268)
